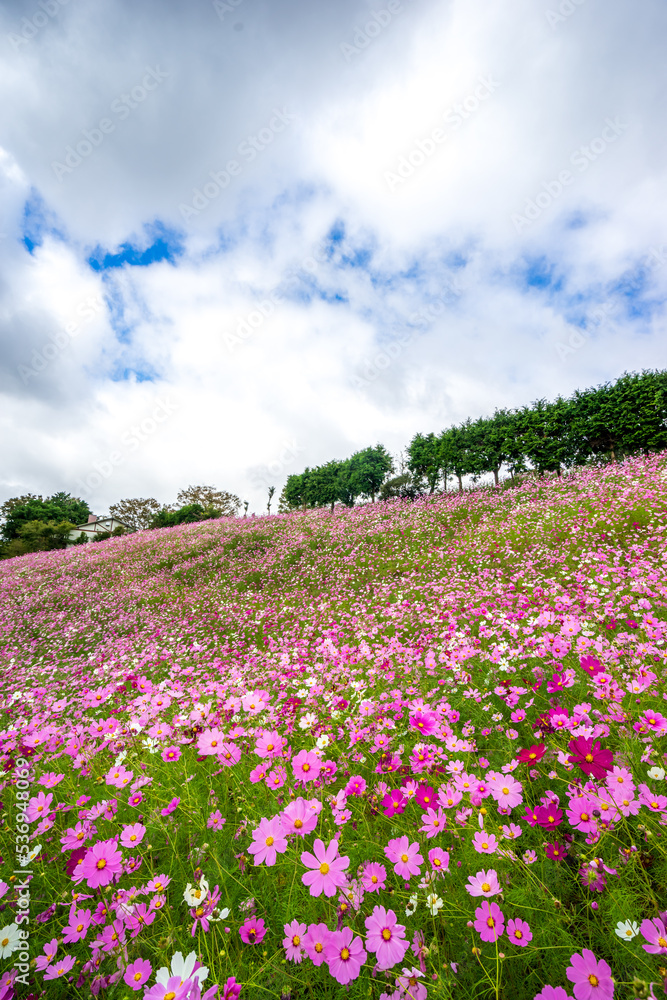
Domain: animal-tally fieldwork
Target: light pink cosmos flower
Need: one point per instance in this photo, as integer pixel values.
(489, 921)
(344, 955)
(306, 766)
(119, 777)
(102, 861)
(76, 836)
(268, 841)
(404, 856)
(158, 884)
(293, 941)
(315, 941)
(519, 932)
(484, 843)
(439, 859)
(270, 744)
(229, 754)
(433, 823)
(60, 968)
(506, 791)
(298, 818)
(385, 937)
(132, 835)
(277, 777)
(483, 884)
(409, 983)
(210, 741)
(328, 869)
(592, 979)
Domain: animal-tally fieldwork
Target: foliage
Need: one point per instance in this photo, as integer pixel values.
(19, 511)
(137, 512)
(210, 498)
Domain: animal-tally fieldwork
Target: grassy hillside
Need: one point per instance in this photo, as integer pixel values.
(407, 654)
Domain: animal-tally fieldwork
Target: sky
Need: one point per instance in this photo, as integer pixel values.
(243, 237)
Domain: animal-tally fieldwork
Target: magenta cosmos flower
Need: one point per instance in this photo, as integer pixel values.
(269, 840)
(489, 922)
(587, 755)
(102, 861)
(170, 753)
(393, 802)
(385, 937)
(592, 979)
(519, 932)
(374, 877)
(252, 931)
(404, 856)
(328, 869)
(299, 817)
(552, 993)
(483, 883)
(137, 973)
(132, 835)
(656, 934)
(344, 955)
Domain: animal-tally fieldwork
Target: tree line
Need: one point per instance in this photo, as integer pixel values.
(604, 423)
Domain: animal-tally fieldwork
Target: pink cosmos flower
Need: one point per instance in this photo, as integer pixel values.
(374, 877)
(60, 968)
(252, 931)
(298, 818)
(38, 807)
(258, 773)
(135, 799)
(385, 937)
(306, 766)
(102, 861)
(344, 954)
(439, 859)
(142, 916)
(210, 741)
(137, 973)
(592, 979)
(489, 922)
(328, 869)
(507, 791)
(229, 754)
(404, 856)
(433, 823)
(483, 884)
(355, 786)
(484, 843)
(293, 941)
(75, 836)
(549, 816)
(132, 835)
(656, 934)
(79, 922)
(231, 990)
(425, 796)
(552, 993)
(171, 753)
(270, 744)
(158, 884)
(449, 797)
(519, 932)
(174, 988)
(216, 821)
(580, 814)
(315, 941)
(169, 808)
(43, 961)
(277, 777)
(410, 986)
(268, 841)
(119, 777)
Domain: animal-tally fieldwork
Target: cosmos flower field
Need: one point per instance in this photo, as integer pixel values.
(404, 750)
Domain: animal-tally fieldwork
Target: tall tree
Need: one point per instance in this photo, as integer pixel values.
(425, 460)
(138, 512)
(210, 497)
(59, 507)
(369, 469)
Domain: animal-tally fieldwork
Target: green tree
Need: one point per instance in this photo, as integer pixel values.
(59, 507)
(137, 512)
(211, 498)
(425, 460)
(369, 469)
(324, 484)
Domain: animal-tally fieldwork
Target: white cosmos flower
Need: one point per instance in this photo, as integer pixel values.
(627, 929)
(182, 967)
(434, 904)
(412, 905)
(30, 857)
(194, 894)
(657, 773)
(322, 741)
(308, 721)
(10, 940)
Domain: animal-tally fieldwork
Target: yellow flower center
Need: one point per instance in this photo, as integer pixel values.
(486, 887)
(101, 863)
(296, 940)
(306, 766)
(593, 980)
(324, 868)
(345, 954)
(404, 857)
(298, 823)
(374, 879)
(386, 934)
(269, 841)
